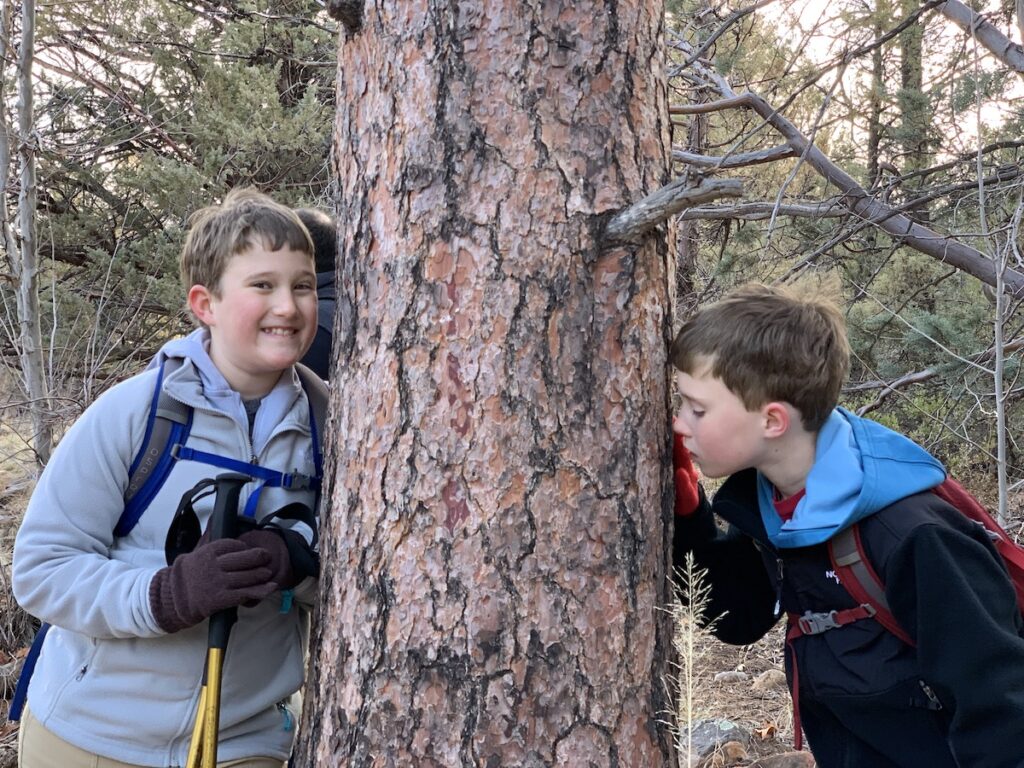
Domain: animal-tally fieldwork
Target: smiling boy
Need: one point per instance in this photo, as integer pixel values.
(759, 374)
(119, 674)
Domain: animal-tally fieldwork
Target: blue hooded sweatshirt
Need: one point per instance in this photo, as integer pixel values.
(859, 468)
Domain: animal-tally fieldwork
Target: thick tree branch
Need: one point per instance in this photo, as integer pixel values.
(999, 45)
(855, 198)
(769, 155)
(629, 225)
(763, 210)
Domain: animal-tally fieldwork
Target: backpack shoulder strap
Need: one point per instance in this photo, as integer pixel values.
(858, 577)
(21, 690)
(168, 424)
(318, 397)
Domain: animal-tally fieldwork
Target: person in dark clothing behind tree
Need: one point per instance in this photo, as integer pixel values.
(760, 374)
(324, 234)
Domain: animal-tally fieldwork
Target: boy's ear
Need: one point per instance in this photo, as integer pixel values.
(776, 419)
(200, 301)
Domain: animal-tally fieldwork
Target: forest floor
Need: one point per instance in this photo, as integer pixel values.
(742, 685)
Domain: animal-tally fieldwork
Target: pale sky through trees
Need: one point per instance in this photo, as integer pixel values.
(821, 30)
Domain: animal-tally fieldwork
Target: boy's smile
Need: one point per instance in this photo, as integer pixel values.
(263, 319)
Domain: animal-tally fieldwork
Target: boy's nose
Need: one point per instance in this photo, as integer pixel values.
(285, 304)
(679, 427)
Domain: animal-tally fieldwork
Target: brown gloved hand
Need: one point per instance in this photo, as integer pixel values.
(271, 541)
(216, 575)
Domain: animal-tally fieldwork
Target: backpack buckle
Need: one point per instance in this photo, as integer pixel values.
(815, 623)
(297, 482)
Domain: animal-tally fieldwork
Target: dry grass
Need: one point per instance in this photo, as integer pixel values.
(766, 713)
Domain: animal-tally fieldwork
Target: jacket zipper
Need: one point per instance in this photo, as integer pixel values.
(777, 611)
(935, 703)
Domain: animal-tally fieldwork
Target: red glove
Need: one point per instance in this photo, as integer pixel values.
(686, 477)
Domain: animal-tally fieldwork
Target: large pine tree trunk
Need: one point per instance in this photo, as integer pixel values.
(496, 544)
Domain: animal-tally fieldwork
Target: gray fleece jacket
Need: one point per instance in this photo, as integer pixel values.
(109, 680)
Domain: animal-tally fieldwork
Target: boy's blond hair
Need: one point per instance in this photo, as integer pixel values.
(245, 219)
(767, 344)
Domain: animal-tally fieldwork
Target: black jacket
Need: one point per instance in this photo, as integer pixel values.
(946, 586)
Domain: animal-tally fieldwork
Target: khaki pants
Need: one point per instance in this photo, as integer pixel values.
(38, 748)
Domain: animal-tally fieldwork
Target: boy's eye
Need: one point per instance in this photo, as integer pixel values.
(261, 284)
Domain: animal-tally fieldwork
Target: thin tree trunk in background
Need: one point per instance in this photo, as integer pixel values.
(496, 542)
(688, 231)
(915, 107)
(10, 243)
(26, 268)
(875, 96)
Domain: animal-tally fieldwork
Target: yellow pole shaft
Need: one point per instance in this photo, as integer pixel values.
(197, 732)
(211, 728)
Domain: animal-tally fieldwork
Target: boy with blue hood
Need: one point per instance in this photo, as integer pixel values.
(118, 678)
(760, 374)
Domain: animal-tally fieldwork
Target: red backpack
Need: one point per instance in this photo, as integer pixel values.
(854, 570)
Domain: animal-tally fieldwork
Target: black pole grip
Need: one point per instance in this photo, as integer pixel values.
(223, 525)
(223, 522)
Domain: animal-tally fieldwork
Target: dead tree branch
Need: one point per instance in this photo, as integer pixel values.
(889, 388)
(743, 160)
(855, 198)
(629, 225)
(999, 45)
(763, 210)
(722, 29)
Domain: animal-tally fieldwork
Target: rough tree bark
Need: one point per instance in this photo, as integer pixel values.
(497, 534)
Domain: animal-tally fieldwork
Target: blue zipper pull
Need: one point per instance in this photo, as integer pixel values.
(289, 722)
(287, 598)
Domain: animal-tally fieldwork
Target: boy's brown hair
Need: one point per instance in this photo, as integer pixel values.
(768, 344)
(246, 218)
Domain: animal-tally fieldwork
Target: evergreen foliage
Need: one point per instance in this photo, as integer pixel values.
(147, 111)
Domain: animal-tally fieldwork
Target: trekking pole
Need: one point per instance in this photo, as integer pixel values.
(202, 752)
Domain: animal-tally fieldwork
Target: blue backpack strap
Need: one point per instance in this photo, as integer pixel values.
(317, 396)
(169, 424)
(21, 691)
(317, 401)
(270, 478)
